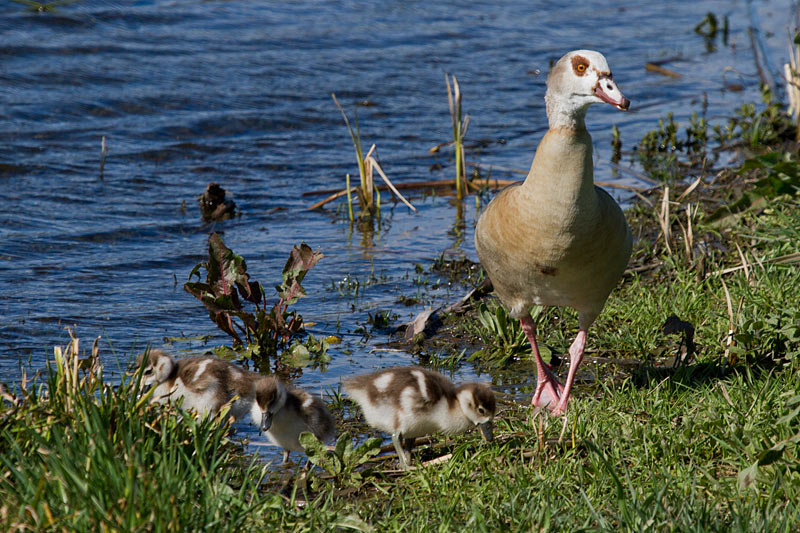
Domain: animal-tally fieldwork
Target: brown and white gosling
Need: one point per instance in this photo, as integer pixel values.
(410, 402)
(202, 384)
(284, 412)
(206, 383)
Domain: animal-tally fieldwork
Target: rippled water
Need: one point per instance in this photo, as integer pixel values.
(238, 92)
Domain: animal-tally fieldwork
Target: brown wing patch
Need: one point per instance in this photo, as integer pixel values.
(580, 65)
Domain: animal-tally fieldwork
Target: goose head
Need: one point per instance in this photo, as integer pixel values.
(579, 79)
(478, 405)
(270, 397)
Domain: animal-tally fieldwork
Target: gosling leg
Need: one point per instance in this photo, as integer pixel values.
(405, 457)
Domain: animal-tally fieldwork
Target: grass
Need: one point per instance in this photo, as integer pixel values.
(706, 447)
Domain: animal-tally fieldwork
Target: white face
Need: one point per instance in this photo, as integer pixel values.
(477, 413)
(582, 77)
(157, 371)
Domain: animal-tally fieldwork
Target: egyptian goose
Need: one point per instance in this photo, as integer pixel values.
(410, 402)
(556, 239)
(284, 412)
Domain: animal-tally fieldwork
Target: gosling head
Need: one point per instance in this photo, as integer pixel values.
(158, 366)
(270, 397)
(579, 79)
(478, 405)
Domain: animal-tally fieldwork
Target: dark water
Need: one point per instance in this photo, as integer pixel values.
(238, 92)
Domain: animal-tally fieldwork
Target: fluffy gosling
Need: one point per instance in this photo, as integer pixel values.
(409, 402)
(284, 412)
(203, 383)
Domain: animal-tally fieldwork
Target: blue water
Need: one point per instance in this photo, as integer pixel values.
(238, 92)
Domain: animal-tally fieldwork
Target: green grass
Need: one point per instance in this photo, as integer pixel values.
(662, 457)
(655, 450)
(80, 455)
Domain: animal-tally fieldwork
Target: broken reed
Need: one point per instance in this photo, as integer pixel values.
(367, 192)
(459, 132)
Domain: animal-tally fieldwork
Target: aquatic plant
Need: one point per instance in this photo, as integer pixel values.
(369, 198)
(459, 132)
(709, 27)
(369, 195)
(663, 151)
(227, 287)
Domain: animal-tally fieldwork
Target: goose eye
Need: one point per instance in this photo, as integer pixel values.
(581, 67)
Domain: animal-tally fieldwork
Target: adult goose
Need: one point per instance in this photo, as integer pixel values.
(556, 239)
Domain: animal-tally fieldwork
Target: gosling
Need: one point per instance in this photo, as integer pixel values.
(284, 412)
(409, 402)
(205, 384)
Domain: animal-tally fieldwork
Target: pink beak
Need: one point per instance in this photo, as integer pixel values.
(607, 91)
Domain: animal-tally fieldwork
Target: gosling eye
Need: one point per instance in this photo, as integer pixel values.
(481, 411)
(148, 371)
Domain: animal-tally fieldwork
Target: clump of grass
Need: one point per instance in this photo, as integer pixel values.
(459, 132)
(368, 194)
(80, 454)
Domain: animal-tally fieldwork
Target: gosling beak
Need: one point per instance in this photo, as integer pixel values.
(607, 91)
(266, 421)
(486, 430)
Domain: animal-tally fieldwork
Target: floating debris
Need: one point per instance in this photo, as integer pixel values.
(214, 206)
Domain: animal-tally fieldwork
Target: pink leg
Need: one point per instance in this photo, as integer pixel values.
(548, 389)
(575, 357)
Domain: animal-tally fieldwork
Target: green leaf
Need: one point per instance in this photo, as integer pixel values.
(369, 448)
(790, 416)
(316, 451)
(344, 445)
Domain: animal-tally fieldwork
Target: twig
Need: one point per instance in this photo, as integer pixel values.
(652, 67)
(782, 260)
(689, 189)
(663, 219)
(729, 340)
